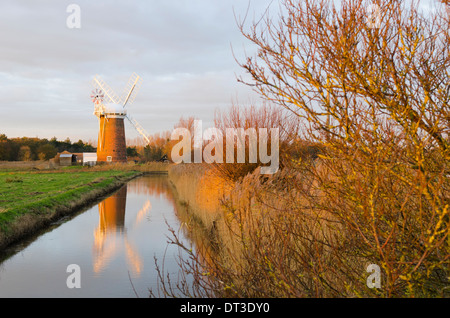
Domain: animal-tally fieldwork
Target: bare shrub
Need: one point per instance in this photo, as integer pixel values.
(252, 117)
(376, 100)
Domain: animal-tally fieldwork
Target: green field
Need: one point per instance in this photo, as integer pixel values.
(29, 200)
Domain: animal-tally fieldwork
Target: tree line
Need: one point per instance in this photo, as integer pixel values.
(33, 148)
(29, 149)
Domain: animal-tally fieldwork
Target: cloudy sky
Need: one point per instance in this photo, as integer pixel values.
(183, 50)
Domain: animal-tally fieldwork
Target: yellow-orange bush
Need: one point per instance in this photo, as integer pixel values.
(376, 101)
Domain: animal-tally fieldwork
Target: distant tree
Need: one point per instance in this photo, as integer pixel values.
(54, 142)
(66, 144)
(152, 153)
(132, 152)
(25, 153)
(26, 148)
(78, 146)
(252, 117)
(3, 147)
(6, 148)
(47, 151)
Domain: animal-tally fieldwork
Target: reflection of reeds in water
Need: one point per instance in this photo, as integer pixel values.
(200, 190)
(198, 195)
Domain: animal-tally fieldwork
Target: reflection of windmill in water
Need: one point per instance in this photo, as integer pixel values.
(110, 237)
(111, 112)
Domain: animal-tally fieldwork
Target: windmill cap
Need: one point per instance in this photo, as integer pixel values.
(114, 109)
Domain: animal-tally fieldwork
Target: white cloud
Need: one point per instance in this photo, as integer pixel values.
(181, 49)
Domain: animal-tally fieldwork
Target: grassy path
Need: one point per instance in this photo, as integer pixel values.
(29, 201)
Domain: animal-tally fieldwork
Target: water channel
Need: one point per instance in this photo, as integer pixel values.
(113, 244)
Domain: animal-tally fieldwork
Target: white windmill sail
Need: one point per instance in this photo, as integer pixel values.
(131, 89)
(110, 95)
(128, 96)
(139, 128)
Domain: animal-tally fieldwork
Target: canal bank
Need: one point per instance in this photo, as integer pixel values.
(114, 245)
(199, 193)
(32, 201)
(204, 201)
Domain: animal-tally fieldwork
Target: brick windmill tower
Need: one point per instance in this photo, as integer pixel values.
(111, 112)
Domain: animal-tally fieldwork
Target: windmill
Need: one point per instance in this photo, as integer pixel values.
(111, 112)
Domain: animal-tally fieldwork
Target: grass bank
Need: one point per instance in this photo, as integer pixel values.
(32, 200)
